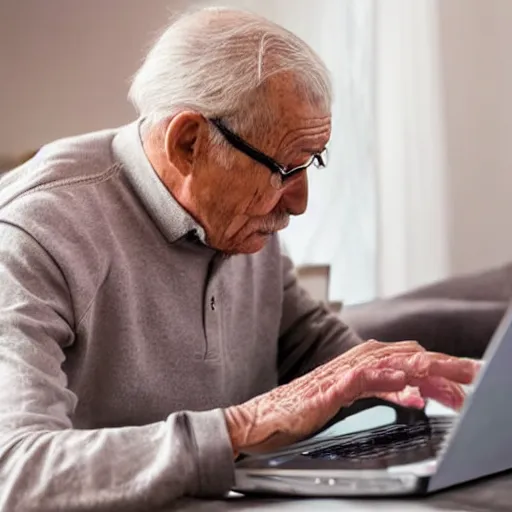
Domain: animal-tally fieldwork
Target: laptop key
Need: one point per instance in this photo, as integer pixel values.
(423, 439)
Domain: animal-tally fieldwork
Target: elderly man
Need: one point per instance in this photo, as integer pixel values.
(150, 329)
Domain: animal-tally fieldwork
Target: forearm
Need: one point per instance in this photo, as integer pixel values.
(131, 468)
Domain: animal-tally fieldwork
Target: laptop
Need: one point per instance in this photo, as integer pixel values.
(418, 453)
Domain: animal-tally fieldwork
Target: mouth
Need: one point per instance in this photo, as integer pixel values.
(278, 226)
(267, 232)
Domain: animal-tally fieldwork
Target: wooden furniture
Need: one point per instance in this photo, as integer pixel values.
(315, 279)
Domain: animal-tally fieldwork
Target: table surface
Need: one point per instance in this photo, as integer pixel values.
(490, 495)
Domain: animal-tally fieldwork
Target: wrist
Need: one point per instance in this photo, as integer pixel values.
(235, 426)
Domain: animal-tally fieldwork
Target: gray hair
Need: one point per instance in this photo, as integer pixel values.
(216, 61)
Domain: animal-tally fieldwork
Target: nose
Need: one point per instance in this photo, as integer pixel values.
(295, 194)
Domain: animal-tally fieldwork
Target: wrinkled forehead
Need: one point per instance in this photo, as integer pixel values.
(293, 108)
(298, 125)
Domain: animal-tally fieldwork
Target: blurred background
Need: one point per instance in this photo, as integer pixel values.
(419, 181)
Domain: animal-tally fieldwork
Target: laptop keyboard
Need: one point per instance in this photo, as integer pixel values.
(423, 438)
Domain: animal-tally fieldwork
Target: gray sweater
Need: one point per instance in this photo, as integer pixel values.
(122, 335)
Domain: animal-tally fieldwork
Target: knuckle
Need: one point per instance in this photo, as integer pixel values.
(374, 344)
(356, 381)
(420, 362)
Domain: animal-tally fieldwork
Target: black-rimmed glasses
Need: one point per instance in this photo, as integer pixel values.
(318, 159)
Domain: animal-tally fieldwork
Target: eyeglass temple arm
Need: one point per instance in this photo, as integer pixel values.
(246, 148)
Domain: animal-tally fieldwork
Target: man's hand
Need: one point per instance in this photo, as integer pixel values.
(402, 372)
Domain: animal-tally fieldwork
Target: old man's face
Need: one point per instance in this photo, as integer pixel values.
(242, 204)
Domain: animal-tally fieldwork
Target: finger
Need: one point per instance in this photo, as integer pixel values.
(424, 364)
(408, 397)
(449, 394)
(462, 371)
(369, 354)
(361, 382)
(478, 365)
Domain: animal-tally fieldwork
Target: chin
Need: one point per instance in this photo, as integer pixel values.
(250, 245)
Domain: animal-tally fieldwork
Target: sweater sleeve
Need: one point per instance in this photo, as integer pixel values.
(310, 334)
(45, 463)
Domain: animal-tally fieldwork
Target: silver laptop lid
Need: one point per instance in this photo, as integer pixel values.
(480, 444)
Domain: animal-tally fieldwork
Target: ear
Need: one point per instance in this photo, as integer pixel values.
(184, 137)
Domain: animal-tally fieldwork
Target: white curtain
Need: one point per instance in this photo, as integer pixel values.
(412, 213)
(339, 227)
(378, 215)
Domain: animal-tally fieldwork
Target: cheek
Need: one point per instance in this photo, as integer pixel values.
(263, 201)
(255, 195)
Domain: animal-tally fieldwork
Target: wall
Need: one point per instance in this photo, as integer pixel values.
(69, 44)
(476, 39)
(444, 119)
(65, 66)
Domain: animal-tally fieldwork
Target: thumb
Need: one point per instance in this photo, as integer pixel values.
(408, 397)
